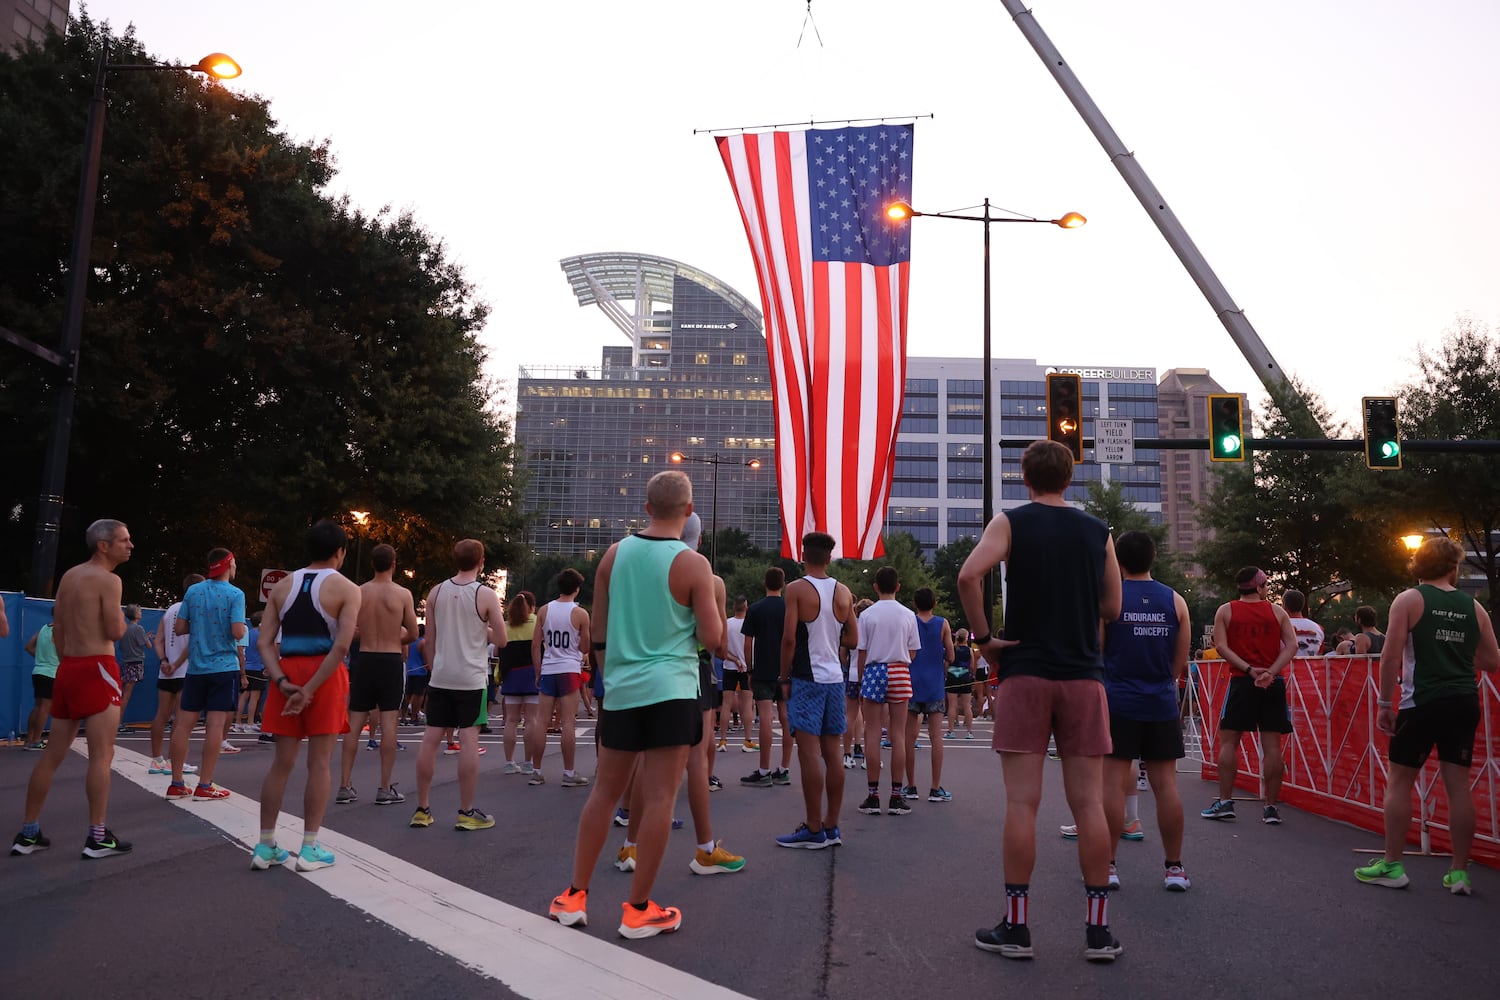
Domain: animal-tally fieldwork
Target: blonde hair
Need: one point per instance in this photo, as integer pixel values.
(669, 493)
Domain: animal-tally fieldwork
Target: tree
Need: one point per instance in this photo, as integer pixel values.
(256, 354)
(902, 551)
(946, 562)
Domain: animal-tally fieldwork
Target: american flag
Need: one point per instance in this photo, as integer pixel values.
(833, 273)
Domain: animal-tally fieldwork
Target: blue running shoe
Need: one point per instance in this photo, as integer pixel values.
(804, 838)
(313, 857)
(266, 856)
(832, 836)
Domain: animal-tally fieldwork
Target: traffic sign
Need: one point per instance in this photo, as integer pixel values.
(269, 578)
(1114, 442)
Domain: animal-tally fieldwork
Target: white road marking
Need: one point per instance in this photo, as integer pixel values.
(530, 954)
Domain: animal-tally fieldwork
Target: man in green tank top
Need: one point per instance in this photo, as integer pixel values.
(1436, 637)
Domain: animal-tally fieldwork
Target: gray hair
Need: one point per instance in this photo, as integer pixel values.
(102, 530)
(692, 530)
(133, 612)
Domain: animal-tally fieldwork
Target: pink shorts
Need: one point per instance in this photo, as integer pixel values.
(1029, 710)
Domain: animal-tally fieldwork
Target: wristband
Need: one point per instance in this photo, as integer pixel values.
(1382, 704)
(978, 641)
(598, 645)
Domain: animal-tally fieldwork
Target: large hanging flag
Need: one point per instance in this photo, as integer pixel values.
(833, 273)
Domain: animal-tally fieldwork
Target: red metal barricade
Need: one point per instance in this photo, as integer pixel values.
(1336, 758)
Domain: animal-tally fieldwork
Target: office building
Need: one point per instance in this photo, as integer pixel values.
(30, 20)
(1187, 476)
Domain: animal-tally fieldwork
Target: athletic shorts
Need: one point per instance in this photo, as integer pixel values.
(981, 672)
(417, 683)
(816, 708)
(1161, 740)
(1248, 708)
(736, 680)
(928, 707)
(559, 685)
(521, 699)
(1447, 723)
(132, 673)
(41, 687)
(328, 712)
(255, 681)
(519, 681)
(85, 686)
(376, 682)
(171, 685)
(885, 682)
(215, 692)
(1029, 710)
(851, 690)
(765, 690)
(449, 709)
(709, 695)
(674, 723)
(958, 685)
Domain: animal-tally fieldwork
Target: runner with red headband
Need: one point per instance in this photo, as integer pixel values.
(213, 618)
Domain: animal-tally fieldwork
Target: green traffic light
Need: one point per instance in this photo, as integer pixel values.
(1229, 444)
(1389, 449)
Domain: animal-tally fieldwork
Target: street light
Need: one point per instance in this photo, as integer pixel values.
(713, 537)
(1413, 542)
(55, 462)
(361, 518)
(899, 212)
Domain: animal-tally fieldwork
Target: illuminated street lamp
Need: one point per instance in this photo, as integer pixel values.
(1413, 542)
(361, 518)
(713, 538)
(55, 463)
(901, 212)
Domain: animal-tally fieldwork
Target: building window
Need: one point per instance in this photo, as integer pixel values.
(740, 359)
(700, 359)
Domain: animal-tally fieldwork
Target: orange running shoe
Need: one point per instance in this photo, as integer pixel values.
(571, 908)
(653, 920)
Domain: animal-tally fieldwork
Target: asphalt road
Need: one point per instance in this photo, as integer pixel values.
(1274, 911)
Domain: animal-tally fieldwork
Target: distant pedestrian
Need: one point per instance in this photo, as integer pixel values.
(928, 670)
(1368, 639)
(43, 675)
(212, 616)
(888, 640)
(1309, 632)
(131, 651)
(762, 634)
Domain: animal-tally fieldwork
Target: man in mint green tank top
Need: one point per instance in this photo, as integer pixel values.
(1437, 637)
(654, 603)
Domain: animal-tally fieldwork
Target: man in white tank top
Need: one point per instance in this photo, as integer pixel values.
(463, 619)
(558, 646)
(819, 619)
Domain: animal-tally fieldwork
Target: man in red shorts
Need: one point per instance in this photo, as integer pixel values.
(1063, 581)
(87, 621)
(304, 637)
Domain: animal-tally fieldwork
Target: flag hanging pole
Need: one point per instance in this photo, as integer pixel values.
(886, 119)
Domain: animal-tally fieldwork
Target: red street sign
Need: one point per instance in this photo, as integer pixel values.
(269, 578)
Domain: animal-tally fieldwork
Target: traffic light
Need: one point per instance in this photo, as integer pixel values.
(1226, 428)
(1065, 412)
(1382, 435)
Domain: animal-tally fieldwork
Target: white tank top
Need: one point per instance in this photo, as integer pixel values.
(823, 634)
(173, 643)
(459, 656)
(560, 640)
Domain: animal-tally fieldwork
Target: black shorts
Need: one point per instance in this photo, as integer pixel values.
(736, 680)
(255, 682)
(215, 692)
(447, 709)
(981, 672)
(41, 687)
(170, 685)
(766, 690)
(958, 685)
(376, 682)
(1248, 708)
(1447, 723)
(417, 683)
(675, 723)
(1146, 740)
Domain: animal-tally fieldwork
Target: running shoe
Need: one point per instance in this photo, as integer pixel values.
(723, 746)
(781, 776)
(758, 778)
(1133, 830)
(870, 806)
(473, 819)
(186, 769)
(859, 751)
(267, 856)
(209, 793)
(1457, 882)
(885, 744)
(940, 795)
(537, 778)
(804, 838)
(511, 767)
(1005, 938)
(526, 768)
(1053, 755)
(1176, 879)
(450, 749)
(159, 765)
(949, 735)
(346, 793)
(1391, 874)
(910, 792)
(1100, 945)
(832, 835)
(897, 806)
(313, 857)
(1219, 810)
(1114, 876)
(373, 745)
(716, 861)
(483, 750)
(653, 920)
(714, 784)
(969, 735)
(178, 790)
(228, 748)
(848, 761)
(42, 745)
(676, 823)
(625, 860)
(388, 796)
(29, 845)
(265, 738)
(750, 746)
(570, 908)
(422, 817)
(574, 781)
(622, 817)
(1270, 816)
(105, 846)
(1069, 831)
(1142, 784)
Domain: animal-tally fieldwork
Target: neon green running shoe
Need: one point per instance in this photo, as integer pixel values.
(1391, 874)
(1457, 882)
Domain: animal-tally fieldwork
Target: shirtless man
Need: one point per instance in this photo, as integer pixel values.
(377, 679)
(86, 623)
(304, 637)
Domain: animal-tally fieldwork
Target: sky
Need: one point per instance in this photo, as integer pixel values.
(1334, 161)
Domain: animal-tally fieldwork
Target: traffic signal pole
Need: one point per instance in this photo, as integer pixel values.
(1408, 445)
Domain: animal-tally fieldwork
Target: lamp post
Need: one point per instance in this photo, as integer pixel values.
(713, 537)
(55, 463)
(361, 518)
(1413, 542)
(900, 212)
